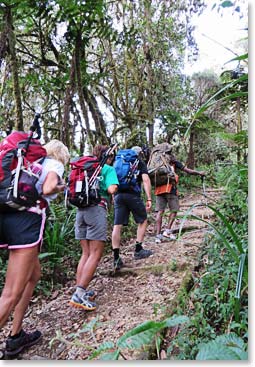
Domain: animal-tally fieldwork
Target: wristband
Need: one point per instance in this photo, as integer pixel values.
(148, 200)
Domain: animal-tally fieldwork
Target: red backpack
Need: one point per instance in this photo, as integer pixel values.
(83, 182)
(20, 167)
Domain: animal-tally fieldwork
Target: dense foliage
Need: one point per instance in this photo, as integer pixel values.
(219, 297)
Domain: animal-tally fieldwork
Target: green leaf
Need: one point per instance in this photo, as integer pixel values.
(221, 235)
(213, 99)
(238, 58)
(102, 348)
(224, 347)
(90, 326)
(46, 254)
(140, 335)
(231, 340)
(240, 275)
(175, 320)
(144, 333)
(110, 356)
(217, 351)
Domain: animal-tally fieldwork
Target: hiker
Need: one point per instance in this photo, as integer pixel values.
(21, 232)
(126, 201)
(91, 230)
(167, 195)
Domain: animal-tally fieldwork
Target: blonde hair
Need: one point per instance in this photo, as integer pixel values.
(57, 150)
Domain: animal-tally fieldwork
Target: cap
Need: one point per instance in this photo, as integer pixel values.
(137, 149)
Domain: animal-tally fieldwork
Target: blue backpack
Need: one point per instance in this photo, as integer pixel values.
(126, 166)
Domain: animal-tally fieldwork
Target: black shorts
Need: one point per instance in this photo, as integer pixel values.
(21, 229)
(124, 203)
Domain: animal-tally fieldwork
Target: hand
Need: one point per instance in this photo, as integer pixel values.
(148, 205)
(202, 174)
(60, 187)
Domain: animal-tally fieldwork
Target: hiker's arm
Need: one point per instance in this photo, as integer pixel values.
(147, 189)
(51, 184)
(194, 172)
(112, 189)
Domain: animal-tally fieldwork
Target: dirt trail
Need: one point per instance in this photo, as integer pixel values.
(137, 293)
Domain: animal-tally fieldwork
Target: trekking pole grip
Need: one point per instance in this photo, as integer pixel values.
(34, 127)
(35, 122)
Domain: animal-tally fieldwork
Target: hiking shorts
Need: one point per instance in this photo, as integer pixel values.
(91, 224)
(167, 199)
(124, 203)
(21, 229)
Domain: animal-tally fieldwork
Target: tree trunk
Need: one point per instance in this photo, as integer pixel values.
(191, 156)
(84, 109)
(97, 117)
(149, 71)
(65, 136)
(14, 69)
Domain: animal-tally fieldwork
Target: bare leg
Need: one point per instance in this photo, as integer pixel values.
(171, 219)
(21, 266)
(116, 233)
(141, 229)
(159, 221)
(22, 306)
(83, 260)
(96, 249)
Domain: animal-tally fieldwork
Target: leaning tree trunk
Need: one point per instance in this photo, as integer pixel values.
(191, 156)
(14, 68)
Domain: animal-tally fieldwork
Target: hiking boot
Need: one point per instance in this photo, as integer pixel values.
(15, 346)
(142, 254)
(118, 264)
(168, 234)
(82, 302)
(159, 238)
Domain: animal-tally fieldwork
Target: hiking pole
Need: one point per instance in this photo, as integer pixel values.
(204, 192)
(203, 183)
(132, 170)
(106, 155)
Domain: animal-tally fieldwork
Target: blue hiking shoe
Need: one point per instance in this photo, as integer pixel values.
(91, 295)
(15, 346)
(83, 302)
(142, 254)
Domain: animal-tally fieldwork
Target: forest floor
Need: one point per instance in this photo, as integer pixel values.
(137, 293)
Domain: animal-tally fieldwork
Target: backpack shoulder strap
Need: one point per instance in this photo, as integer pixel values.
(164, 160)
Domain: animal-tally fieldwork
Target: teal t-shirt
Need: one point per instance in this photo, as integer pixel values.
(109, 177)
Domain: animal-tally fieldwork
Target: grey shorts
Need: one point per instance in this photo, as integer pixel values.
(167, 199)
(91, 224)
